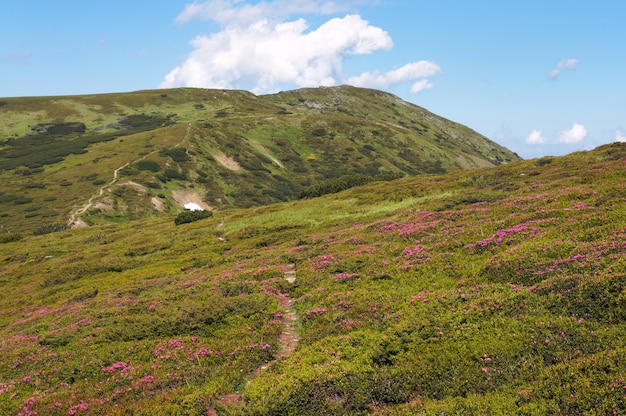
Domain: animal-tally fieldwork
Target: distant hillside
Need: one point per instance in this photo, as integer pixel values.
(488, 291)
(100, 158)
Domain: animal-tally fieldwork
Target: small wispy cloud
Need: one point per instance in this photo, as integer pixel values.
(535, 137)
(408, 72)
(563, 65)
(421, 85)
(619, 136)
(575, 134)
(234, 13)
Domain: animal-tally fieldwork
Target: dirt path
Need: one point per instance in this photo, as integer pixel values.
(75, 221)
(289, 337)
(288, 340)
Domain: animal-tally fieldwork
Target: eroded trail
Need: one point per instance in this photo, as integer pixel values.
(289, 337)
(288, 340)
(75, 220)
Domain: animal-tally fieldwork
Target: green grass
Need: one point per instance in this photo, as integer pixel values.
(283, 143)
(491, 291)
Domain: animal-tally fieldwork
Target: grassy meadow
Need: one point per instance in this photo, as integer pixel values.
(97, 159)
(494, 290)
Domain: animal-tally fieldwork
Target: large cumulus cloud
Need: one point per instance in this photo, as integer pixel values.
(259, 49)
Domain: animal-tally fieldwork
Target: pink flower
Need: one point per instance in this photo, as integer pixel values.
(315, 311)
(346, 275)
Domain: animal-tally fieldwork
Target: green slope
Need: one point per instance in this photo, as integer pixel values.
(99, 158)
(488, 291)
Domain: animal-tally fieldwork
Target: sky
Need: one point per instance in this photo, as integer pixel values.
(540, 77)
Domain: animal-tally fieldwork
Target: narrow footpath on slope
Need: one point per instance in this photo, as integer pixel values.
(287, 342)
(75, 221)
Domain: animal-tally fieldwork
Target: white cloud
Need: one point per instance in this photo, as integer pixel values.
(235, 12)
(619, 136)
(408, 72)
(266, 54)
(257, 49)
(420, 86)
(574, 134)
(564, 64)
(535, 137)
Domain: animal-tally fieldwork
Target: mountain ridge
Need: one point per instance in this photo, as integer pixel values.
(223, 148)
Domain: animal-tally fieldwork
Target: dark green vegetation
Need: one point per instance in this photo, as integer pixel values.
(332, 186)
(489, 291)
(51, 143)
(118, 157)
(188, 216)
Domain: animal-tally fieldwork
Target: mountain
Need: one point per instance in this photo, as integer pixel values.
(95, 159)
(492, 290)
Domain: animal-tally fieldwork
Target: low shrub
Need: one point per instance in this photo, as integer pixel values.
(342, 183)
(191, 216)
(150, 165)
(153, 185)
(49, 214)
(10, 237)
(21, 200)
(171, 173)
(51, 228)
(178, 154)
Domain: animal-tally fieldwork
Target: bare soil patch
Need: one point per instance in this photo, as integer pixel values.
(138, 187)
(227, 162)
(157, 203)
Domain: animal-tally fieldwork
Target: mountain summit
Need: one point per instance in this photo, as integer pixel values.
(90, 159)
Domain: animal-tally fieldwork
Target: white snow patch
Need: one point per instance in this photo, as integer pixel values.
(193, 206)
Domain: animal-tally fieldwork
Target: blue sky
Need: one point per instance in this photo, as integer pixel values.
(539, 77)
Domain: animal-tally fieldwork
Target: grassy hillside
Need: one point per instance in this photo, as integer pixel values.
(96, 159)
(490, 291)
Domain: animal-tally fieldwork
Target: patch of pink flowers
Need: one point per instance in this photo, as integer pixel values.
(315, 311)
(346, 275)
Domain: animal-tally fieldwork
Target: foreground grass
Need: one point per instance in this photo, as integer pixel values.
(495, 291)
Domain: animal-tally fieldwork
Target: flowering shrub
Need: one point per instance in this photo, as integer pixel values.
(406, 298)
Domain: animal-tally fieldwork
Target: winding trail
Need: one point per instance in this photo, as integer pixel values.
(75, 221)
(288, 340)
